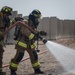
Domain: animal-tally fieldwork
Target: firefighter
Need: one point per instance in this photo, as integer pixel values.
(26, 41)
(4, 22)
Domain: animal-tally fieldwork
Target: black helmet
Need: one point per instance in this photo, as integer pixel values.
(34, 16)
(35, 13)
(6, 10)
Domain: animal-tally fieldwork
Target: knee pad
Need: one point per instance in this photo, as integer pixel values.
(35, 55)
(20, 56)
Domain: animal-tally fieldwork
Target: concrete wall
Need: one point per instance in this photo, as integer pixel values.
(61, 29)
(45, 26)
(72, 28)
(53, 27)
(66, 31)
(25, 17)
(57, 28)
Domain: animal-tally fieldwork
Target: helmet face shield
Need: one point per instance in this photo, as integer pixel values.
(37, 16)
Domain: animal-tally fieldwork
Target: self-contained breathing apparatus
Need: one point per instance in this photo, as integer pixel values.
(17, 28)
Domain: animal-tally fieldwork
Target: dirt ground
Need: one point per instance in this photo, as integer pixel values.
(48, 62)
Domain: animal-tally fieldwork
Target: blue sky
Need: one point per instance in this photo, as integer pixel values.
(63, 9)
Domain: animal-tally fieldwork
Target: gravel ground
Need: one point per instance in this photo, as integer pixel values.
(48, 62)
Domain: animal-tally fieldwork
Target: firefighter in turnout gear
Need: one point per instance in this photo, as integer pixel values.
(4, 22)
(26, 41)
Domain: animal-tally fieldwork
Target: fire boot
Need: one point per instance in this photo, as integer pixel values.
(13, 72)
(2, 73)
(38, 71)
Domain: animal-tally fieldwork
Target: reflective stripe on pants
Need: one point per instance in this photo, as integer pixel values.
(33, 45)
(36, 64)
(13, 65)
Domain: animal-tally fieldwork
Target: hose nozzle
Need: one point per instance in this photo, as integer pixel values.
(44, 40)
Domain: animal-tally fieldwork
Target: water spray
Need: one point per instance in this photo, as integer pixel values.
(65, 55)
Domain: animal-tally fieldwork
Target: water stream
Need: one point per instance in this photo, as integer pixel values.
(65, 55)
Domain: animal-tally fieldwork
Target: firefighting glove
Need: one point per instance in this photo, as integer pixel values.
(39, 36)
(42, 33)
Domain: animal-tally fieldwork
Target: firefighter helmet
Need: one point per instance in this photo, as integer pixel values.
(35, 15)
(6, 10)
